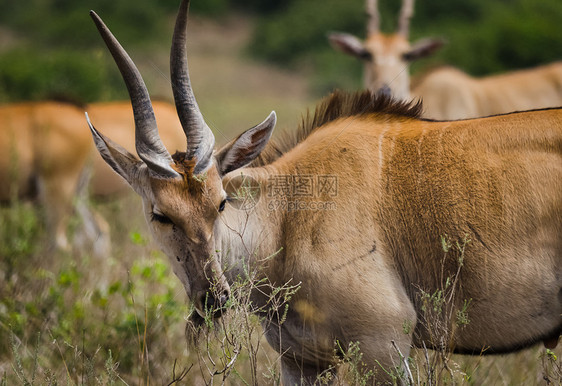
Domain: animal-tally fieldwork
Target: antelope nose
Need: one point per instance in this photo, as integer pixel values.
(215, 303)
(223, 298)
(385, 90)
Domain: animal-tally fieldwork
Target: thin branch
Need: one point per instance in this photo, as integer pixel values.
(404, 362)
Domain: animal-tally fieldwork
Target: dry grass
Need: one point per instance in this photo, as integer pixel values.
(69, 318)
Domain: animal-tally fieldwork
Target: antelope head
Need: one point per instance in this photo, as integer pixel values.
(386, 56)
(182, 195)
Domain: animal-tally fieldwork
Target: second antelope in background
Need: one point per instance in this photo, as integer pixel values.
(447, 93)
(43, 155)
(386, 56)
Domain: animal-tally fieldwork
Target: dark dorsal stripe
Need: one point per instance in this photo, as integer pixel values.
(337, 105)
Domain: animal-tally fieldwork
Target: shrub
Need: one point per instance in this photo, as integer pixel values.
(26, 74)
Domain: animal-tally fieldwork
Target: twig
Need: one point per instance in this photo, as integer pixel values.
(428, 364)
(181, 376)
(405, 362)
(231, 363)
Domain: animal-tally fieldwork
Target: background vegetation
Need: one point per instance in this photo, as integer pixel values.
(49, 47)
(68, 318)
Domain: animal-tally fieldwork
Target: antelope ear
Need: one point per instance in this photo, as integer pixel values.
(118, 158)
(349, 44)
(423, 48)
(246, 147)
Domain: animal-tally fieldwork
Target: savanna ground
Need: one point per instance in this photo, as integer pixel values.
(70, 318)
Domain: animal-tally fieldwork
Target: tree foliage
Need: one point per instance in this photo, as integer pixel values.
(483, 37)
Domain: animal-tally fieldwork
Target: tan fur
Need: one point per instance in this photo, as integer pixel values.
(336, 106)
(43, 142)
(497, 181)
(448, 93)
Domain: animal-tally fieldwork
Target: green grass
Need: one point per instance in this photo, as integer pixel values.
(68, 315)
(68, 318)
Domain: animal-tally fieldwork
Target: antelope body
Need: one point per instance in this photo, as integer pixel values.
(447, 93)
(44, 154)
(402, 182)
(43, 150)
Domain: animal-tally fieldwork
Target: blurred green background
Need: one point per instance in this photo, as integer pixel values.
(49, 48)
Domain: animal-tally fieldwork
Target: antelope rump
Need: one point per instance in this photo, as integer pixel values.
(43, 153)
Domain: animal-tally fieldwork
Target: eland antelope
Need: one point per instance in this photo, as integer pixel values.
(398, 184)
(447, 93)
(61, 174)
(43, 152)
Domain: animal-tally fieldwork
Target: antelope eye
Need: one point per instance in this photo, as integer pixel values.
(366, 56)
(222, 205)
(161, 218)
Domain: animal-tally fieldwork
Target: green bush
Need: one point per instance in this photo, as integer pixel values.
(26, 74)
(66, 23)
(301, 29)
